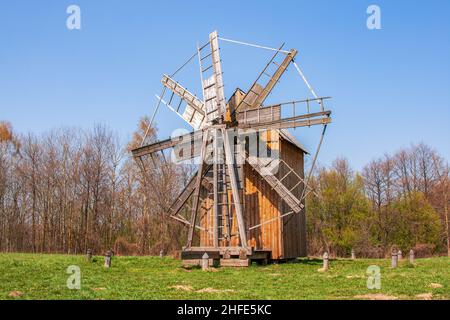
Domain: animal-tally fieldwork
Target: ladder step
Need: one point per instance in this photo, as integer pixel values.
(206, 69)
(210, 86)
(208, 55)
(209, 99)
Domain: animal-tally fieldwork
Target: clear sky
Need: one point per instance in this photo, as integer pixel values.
(390, 87)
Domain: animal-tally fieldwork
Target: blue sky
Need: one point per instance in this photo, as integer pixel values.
(390, 87)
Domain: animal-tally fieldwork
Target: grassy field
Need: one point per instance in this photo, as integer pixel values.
(28, 276)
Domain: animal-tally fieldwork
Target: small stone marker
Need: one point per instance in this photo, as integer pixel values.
(400, 256)
(227, 254)
(411, 256)
(326, 263)
(108, 259)
(394, 259)
(353, 255)
(242, 254)
(205, 261)
(161, 254)
(89, 255)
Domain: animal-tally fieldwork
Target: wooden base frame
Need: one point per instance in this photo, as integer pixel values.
(225, 256)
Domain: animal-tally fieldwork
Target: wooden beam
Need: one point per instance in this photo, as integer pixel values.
(234, 262)
(216, 195)
(189, 254)
(230, 164)
(217, 67)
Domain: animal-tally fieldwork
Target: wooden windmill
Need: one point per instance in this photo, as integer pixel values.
(245, 201)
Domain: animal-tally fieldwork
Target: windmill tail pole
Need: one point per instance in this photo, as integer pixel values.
(314, 160)
(153, 117)
(304, 79)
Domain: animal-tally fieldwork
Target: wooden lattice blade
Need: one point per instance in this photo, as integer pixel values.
(178, 204)
(261, 167)
(181, 141)
(305, 120)
(258, 93)
(194, 112)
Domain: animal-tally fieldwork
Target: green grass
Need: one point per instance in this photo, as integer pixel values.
(44, 277)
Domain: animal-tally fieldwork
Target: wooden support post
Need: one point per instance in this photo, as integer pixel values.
(198, 185)
(216, 195)
(229, 159)
(411, 256)
(89, 255)
(326, 262)
(400, 256)
(353, 255)
(108, 259)
(394, 259)
(161, 254)
(205, 262)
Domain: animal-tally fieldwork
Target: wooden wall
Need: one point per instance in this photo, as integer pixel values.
(293, 226)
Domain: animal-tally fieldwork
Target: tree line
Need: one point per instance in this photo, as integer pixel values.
(398, 200)
(69, 190)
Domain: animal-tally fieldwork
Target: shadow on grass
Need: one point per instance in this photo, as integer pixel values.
(307, 261)
(189, 268)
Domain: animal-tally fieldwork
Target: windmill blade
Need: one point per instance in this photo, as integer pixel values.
(186, 146)
(190, 115)
(270, 117)
(305, 120)
(212, 84)
(190, 108)
(258, 93)
(265, 168)
(231, 167)
(178, 204)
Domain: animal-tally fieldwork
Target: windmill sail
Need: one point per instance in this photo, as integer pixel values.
(189, 107)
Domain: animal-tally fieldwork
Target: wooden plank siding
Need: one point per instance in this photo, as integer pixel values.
(293, 226)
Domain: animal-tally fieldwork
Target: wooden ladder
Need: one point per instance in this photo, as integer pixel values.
(258, 93)
(211, 76)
